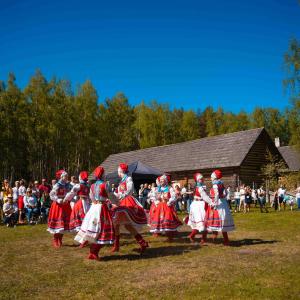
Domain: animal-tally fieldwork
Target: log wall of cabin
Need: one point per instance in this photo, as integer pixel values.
(250, 169)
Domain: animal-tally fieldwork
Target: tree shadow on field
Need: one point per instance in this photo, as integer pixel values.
(249, 242)
(152, 253)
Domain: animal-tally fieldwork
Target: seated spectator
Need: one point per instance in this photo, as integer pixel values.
(45, 205)
(10, 211)
(30, 204)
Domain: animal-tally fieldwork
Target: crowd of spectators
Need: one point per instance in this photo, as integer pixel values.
(30, 203)
(25, 203)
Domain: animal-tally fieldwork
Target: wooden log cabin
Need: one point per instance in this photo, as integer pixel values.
(239, 155)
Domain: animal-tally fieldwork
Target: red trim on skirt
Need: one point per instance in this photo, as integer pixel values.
(135, 212)
(59, 216)
(164, 218)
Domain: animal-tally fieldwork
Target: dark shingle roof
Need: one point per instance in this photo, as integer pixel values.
(227, 150)
(291, 156)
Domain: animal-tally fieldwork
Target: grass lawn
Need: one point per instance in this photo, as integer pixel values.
(263, 262)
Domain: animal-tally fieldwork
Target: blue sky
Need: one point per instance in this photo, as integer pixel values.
(189, 54)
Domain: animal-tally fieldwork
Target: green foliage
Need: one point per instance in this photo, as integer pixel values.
(272, 170)
(47, 126)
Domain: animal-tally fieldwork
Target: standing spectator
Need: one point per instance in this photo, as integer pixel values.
(184, 196)
(141, 189)
(6, 190)
(30, 204)
(242, 198)
(53, 183)
(15, 191)
(73, 181)
(281, 195)
(229, 196)
(10, 211)
(248, 198)
(178, 197)
(190, 198)
(298, 197)
(291, 202)
(145, 195)
(254, 197)
(22, 193)
(262, 199)
(44, 187)
(237, 200)
(275, 201)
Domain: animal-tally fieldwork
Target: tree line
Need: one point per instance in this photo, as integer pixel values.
(47, 125)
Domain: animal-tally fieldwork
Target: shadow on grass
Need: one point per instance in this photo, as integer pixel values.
(152, 253)
(248, 242)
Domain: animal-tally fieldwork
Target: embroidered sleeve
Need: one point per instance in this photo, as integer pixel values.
(53, 194)
(172, 199)
(204, 196)
(70, 195)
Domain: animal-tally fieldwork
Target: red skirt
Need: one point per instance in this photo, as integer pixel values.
(130, 212)
(59, 217)
(164, 218)
(152, 212)
(77, 216)
(107, 232)
(21, 202)
(212, 218)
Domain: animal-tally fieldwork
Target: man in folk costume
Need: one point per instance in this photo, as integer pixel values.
(198, 208)
(219, 217)
(97, 226)
(129, 213)
(82, 206)
(60, 210)
(164, 218)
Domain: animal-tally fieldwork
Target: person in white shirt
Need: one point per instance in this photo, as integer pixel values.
(228, 196)
(237, 200)
(298, 197)
(15, 191)
(242, 198)
(254, 196)
(262, 199)
(30, 204)
(10, 211)
(281, 195)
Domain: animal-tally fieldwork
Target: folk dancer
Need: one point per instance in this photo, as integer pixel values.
(97, 226)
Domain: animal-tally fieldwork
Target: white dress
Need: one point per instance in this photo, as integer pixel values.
(197, 215)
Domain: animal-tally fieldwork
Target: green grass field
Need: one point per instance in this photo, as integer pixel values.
(263, 262)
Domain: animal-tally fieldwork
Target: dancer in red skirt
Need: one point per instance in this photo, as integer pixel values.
(129, 213)
(97, 226)
(164, 218)
(82, 205)
(60, 210)
(219, 217)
